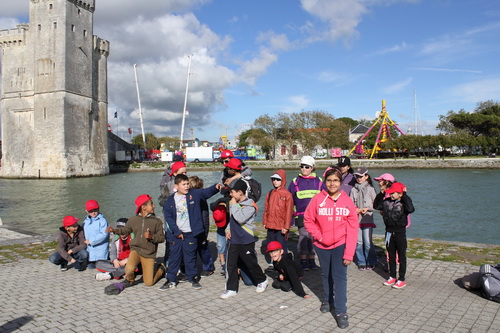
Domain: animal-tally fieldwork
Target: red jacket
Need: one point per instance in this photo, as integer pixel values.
(332, 223)
(278, 208)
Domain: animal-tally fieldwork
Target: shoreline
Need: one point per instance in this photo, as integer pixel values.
(399, 163)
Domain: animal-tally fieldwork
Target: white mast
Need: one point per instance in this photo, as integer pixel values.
(416, 116)
(140, 109)
(184, 110)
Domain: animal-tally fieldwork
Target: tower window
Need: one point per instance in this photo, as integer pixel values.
(73, 27)
(55, 25)
(84, 33)
(39, 27)
(50, 6)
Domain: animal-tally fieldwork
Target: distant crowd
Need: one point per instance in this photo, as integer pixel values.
(333, 214)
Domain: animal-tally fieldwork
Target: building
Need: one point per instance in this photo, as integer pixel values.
(357, 132)
(53, 100)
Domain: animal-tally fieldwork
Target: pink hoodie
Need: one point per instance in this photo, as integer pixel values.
(332, 223)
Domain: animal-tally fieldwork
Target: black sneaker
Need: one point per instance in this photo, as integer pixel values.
(64, 267)
(168, 285)
(181, 277)
(207, 273)
(325, 307)
(196, 284)
(342, 320)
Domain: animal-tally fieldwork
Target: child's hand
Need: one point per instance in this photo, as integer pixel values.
(110, 229)
(228, 234)
(347, 262)
(72, 261)
(219, 187)
(116, 263)
(284, 231)
(281, 277)
(232, 201)
(364, 210)
(70, 251)
(87, 242)
(307, 296)
(181, 236)
(148, 235)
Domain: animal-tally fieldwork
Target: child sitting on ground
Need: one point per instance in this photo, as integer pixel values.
(119, 251)
(71, 247)
(396, 209)
(96, 237)
(289, 271)
(148, 232)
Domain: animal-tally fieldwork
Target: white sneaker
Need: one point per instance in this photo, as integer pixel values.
(261, 287)
(102, 276)
(228, 293)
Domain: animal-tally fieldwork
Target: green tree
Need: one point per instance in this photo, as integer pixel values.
(152, 141)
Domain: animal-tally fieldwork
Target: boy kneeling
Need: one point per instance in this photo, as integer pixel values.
(289, 271)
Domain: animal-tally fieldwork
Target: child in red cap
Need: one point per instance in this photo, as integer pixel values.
(395, 210)
(289, 271)
(96, 237)
(71, 247)
(148, 232)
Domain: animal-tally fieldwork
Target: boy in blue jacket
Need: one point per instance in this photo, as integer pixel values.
(183, 215)
(96, 237)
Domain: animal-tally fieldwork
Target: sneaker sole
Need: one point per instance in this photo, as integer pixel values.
(398, 287)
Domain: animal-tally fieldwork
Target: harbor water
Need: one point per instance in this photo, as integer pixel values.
(451, 204)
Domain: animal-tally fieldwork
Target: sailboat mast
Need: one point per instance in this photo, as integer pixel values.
(140, 108)
(184, 110)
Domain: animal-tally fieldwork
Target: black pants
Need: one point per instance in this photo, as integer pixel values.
(396, 243)
(283, 285)
(246, 254)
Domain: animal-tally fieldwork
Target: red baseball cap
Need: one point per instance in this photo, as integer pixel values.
(220, 216)
(69, 221)
(91, 204)
(396, 187)
(234, 163)
(176, 166)
(226, 153)
(273, 246)
(141, 200)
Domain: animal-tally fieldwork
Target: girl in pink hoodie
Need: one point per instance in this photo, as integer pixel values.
(332, 221)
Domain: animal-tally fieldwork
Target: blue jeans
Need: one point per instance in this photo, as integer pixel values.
(221, 241)
(81, 258)
(334, 275)
(365, 250)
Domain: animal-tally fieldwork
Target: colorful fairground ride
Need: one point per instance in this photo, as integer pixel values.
(384, 134)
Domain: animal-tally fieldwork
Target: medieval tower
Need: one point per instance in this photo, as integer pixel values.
(54, 99)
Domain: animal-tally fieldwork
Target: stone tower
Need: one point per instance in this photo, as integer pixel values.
(54, 93)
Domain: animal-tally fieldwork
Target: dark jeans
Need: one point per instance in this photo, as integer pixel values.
(245, 253)
(396, 243)
(334, 275)
(81, 258)
(182, 250)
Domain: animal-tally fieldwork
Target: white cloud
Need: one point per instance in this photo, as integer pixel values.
(297, 104)
(398, 86)
(396, 48)
(476, 91)
(342, 17)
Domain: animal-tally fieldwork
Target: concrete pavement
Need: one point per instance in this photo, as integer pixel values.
(38, 297)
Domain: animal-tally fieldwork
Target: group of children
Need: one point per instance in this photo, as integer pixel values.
(334, 217)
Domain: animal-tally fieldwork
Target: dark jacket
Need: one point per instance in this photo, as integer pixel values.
(394, 212)
(138, 224)
(278, 208)
(292, 272)
(65, 242)
(194, 200)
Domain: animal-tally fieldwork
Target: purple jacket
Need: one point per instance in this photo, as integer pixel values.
(303, 189)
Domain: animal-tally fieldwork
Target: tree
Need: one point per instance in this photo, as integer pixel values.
(152, 141)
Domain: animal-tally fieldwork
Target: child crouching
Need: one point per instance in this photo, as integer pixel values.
(289, 271)
(71, 247)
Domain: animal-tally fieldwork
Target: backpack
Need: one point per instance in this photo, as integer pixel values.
(254, 189)
(490, 282)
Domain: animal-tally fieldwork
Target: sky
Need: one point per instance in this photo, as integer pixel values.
(251, 58)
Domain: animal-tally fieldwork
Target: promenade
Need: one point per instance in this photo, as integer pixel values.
(38, 297)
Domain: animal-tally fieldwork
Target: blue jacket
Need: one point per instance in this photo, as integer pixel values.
(95, 232)
(194, 200)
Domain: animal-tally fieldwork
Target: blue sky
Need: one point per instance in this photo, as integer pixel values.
(264, 57)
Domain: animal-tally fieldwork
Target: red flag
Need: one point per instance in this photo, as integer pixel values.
(129, 131)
